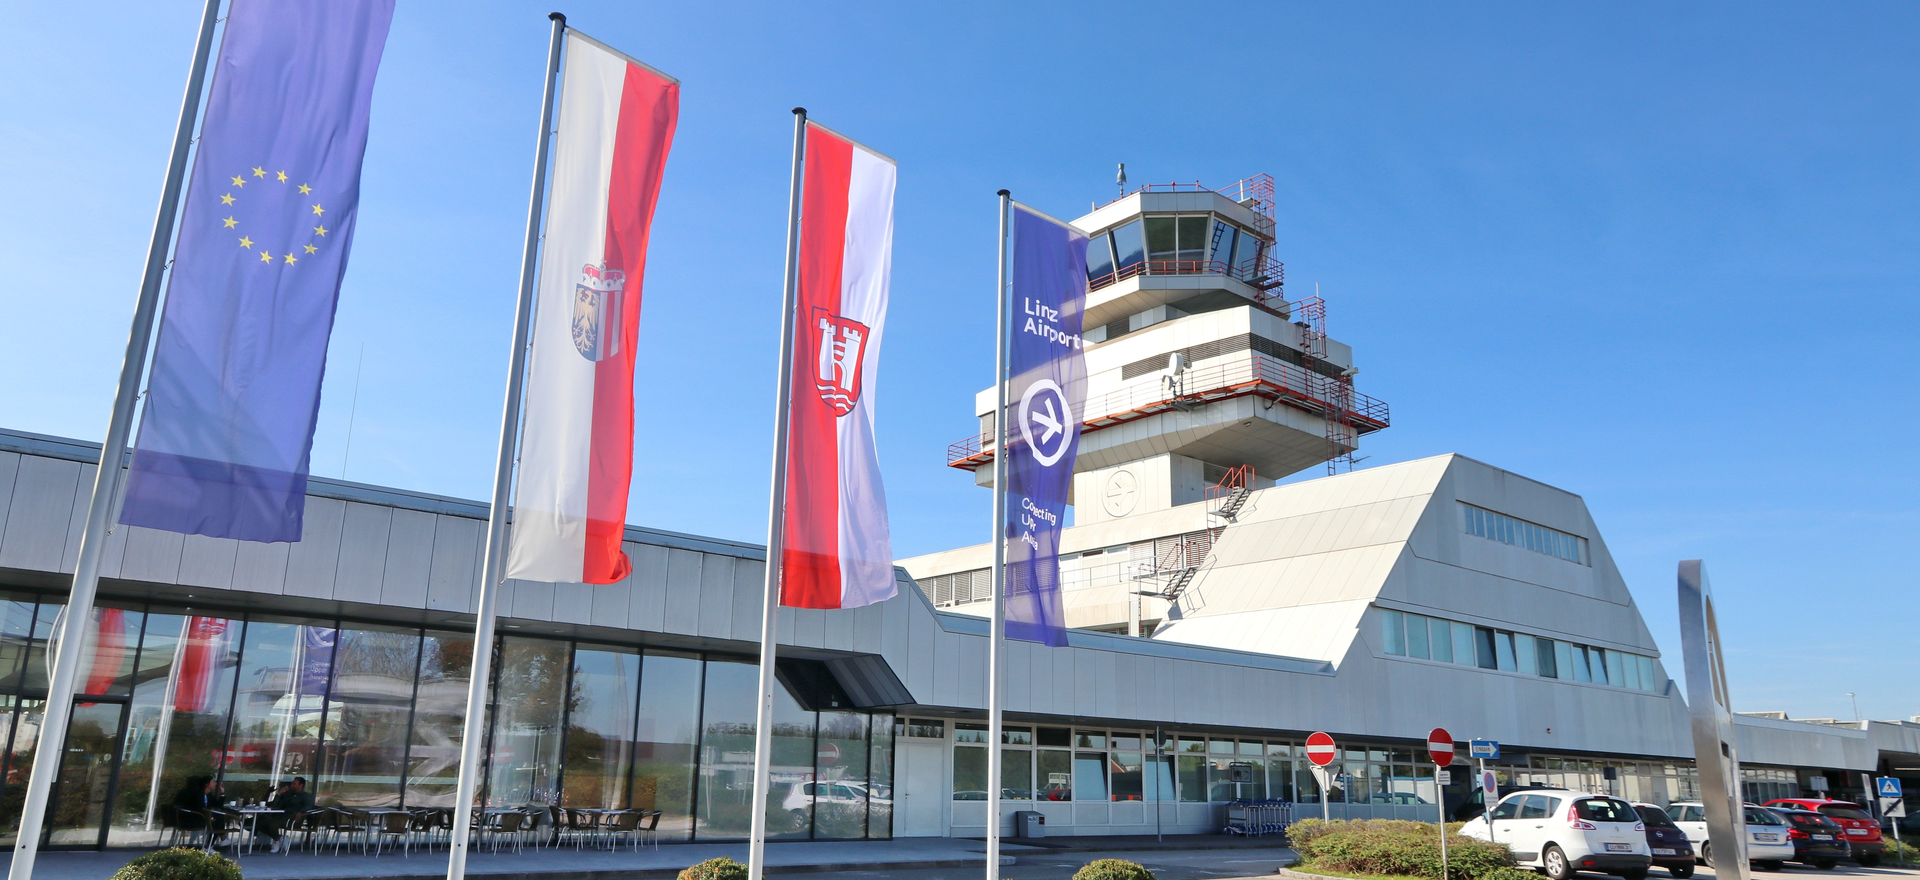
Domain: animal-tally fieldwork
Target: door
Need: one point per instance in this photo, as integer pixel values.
(919, 791)
(77, 811)
(1503, 825)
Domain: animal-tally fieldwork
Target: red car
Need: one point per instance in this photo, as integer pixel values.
(1863, 833)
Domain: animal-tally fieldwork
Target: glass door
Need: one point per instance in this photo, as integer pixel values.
(76, 815)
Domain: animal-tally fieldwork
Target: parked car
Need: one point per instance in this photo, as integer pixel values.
(1817, 840)
(1768, 845)
(1669, 845)
(1563, 832)
(1863, 833)
(1476, 803)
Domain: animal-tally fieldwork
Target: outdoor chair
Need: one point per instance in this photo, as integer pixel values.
(625, 823)
(508, 824)
(397, 827)
(579, 827)
(224, 828)
(650, 830)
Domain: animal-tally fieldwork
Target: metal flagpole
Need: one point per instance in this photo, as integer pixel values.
(996, 648)
(492, 572)
(106, 481)
(776, 514)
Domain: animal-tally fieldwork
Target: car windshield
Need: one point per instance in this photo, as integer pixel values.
(1812, 820)
(1604, 810)
(1653, 816)
(1847, 813)
(1758, 816)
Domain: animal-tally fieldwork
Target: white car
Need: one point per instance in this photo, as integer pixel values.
(1564, 832)
(1768, 845)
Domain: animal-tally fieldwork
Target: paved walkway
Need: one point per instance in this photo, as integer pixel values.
(569, 864)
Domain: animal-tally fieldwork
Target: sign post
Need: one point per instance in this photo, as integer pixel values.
(1893, 805)
(1320, 750)
(1440, 749)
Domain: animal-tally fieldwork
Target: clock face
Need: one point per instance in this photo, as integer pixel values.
(1121, 491)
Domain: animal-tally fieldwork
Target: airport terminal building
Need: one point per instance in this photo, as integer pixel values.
(1219, 619)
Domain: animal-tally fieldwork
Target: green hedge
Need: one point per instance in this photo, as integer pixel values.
(1397, 848)
(183, 863)
(722, 868)
(1113, 869)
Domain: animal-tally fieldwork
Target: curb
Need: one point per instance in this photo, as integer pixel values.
(670, 873)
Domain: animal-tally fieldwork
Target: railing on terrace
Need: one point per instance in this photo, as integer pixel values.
(1263, 275)
(1246, 374)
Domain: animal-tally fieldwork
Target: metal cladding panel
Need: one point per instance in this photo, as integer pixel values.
(611, 602)
(867, 622)
(208, 562)
(647, 604)
(683, 591)
(9, 470)
(531, 600)
(363, 553)
(454, 573)
(573, 602)
(77, 518)
(970, 670)
(716, 598)
(260, 568)
(839, 629)
(409, 562)
(749, 598)
(809, 627)
(152, 555)
(1019, 660)
(38, 540)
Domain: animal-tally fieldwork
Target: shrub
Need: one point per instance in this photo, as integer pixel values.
(1397, 848)
(1113, 869)
(722, 868)
(183, 863)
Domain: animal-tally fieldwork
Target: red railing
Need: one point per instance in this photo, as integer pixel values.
(1237, 478)
(1248, 374)
(1264, 275)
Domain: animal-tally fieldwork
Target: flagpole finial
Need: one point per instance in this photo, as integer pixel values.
(799, 111)
(1003, 193)
(560, 17)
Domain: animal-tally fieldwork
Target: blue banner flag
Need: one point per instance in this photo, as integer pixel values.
(1047, 389)
(227, 431)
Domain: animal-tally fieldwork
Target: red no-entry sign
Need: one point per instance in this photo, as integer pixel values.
(1440, 747)
(1320, 749)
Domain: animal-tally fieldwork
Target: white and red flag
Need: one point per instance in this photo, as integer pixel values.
(616, 125)
(836, 549)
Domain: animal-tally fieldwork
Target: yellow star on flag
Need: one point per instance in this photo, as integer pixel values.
(259, 171)
(228, 222)
(311, 249)
(226, 199)
(266, 257)
(246, 242)
(320, 231)
(283, 177)
(290, 258)
(304, 189)
(239, 181)
(319, 210)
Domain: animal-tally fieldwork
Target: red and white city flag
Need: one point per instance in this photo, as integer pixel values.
(616, 122)
(837, 550)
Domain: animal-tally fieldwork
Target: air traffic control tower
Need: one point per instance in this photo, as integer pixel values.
(1203, 384)
(1199, 373)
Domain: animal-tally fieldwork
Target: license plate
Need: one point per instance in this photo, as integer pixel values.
(1860, 831)
(1770, 838)
(1662, 852)
(1619, 847)
(1823, 837)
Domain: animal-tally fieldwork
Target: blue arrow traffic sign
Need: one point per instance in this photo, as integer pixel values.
(1889, 787)
(1483, 748)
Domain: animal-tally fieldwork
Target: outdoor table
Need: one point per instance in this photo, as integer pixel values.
(253, 815)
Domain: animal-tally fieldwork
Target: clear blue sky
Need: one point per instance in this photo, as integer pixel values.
(1661, 256)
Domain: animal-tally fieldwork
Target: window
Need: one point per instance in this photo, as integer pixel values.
(1503, 647)
(1604, 810)
(1483, 650)
(1162, 239)
(1023, 736)
(1563, 660)
(1223, 235)
(1090, 775)
(1441, 639)
(1128, 773)
(1616, 667)
(1393, 632)
(1546, 651)
(1647, 680)
(1051, 736)
(969, 773)
(1192, 778)
(969, 732)
(1508, 809)
(924, 728)
(1053, 775)
(1417, 637)
(1193, 238)
(1582, 664)
(1534, 807)
(1520, 533)
(1129, 246)
(1463, 649)
(1016, 774)
(1526, 654)
(1099, 257)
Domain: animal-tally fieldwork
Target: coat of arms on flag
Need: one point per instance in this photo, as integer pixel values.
(596, 311)
(843, 344)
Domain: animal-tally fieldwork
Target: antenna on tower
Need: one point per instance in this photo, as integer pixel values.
(1120, 180)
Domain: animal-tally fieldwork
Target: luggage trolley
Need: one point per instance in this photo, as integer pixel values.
(1257, 818)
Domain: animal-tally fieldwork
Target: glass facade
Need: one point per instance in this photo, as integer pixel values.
(373, 716)
(1430, 638)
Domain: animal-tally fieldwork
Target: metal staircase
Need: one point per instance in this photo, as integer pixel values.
(1178, 560)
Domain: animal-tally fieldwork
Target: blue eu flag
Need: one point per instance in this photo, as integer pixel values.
(227, 431)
